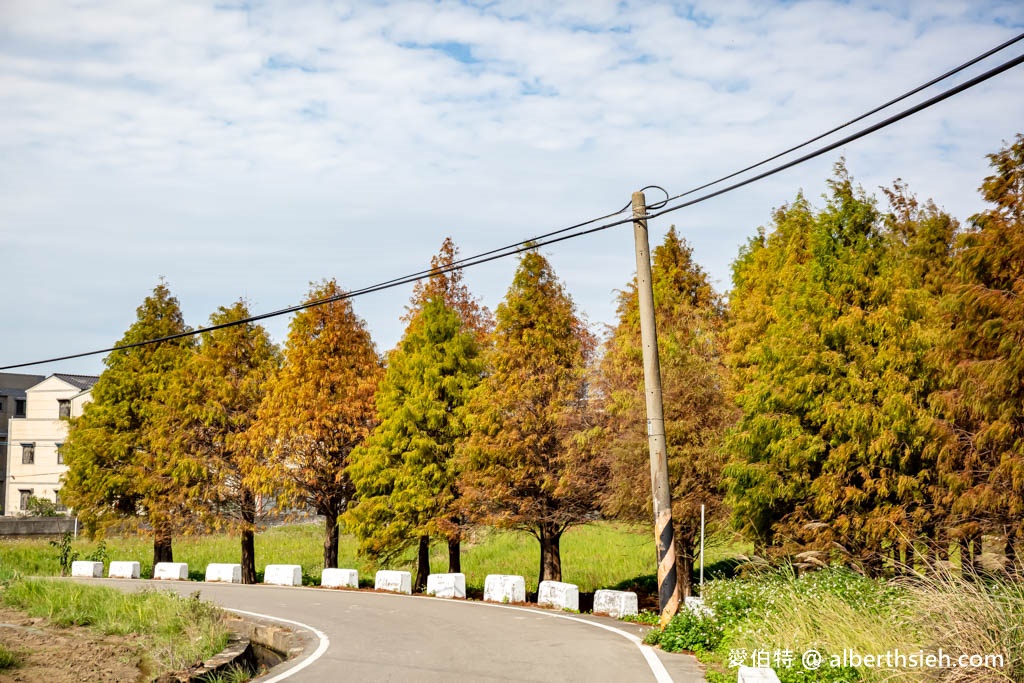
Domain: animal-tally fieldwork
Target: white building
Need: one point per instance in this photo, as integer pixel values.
(35, 463)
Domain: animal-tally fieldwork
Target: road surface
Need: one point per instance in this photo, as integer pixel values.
(367, 636)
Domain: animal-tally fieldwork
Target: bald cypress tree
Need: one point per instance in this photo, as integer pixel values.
(118, 473)
(832, 331)
(405, 474)
(527, 464)
(985, 355)
(690, 318)
(211, 402)
(317, 409)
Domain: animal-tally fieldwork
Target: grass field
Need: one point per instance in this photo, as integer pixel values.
(178, 632)
(598, 555)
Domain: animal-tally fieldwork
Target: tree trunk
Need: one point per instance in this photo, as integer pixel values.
(684, 573)
(963, 544)
(163, 551)
(455, 555)
(550, 553)
(248, 511)
(897, 561)
(976, 550)
(330, 538)
(422, 564)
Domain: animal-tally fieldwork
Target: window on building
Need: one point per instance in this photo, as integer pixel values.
(28, 454)
(3, 404)
(57, 502)
(64, 407)
(19, 407)
(60, 454)
(24, 495)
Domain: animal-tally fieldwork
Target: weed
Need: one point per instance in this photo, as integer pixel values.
(8, 658)
(644, 617)
(65, 555)
(232, 674)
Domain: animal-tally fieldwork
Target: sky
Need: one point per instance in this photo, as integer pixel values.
(247, 149)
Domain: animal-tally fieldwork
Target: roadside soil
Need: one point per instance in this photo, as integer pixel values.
(49, 654)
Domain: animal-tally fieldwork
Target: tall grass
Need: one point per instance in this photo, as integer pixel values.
(836, 610)
(598, 555)
(179, 631)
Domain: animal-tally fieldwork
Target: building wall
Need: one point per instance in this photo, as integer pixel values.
(12, 389)
(46, 431)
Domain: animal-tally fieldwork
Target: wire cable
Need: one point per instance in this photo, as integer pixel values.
(895, 100)
(550, 237)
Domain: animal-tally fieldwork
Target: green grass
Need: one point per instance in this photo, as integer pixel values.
(594, 556)
(178, 631)
(8, 658)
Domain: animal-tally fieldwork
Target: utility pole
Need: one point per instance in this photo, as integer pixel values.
(668, 588)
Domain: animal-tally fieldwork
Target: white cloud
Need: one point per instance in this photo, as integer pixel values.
(248, 151)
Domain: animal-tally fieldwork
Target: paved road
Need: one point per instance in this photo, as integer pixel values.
(382, 637)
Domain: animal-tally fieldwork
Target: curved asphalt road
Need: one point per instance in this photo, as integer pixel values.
(386, 637)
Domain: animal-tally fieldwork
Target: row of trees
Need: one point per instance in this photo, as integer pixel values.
(859, 392)
(878, 361)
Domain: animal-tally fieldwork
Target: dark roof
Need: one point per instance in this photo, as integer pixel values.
(82, 382)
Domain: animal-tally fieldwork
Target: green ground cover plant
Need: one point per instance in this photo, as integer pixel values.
(179, 631)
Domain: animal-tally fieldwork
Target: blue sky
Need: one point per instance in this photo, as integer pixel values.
(246, 149)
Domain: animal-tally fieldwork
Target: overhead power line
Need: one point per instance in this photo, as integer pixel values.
(660, 208)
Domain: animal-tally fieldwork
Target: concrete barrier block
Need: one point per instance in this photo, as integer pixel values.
(615, 603)
(557, 594)
(750, 674)
(447, 585)
(224, 573)
(124, 570)
(504, 588)
(171, 571)
(394, 581)
(87, 569)
(339, 578)
(283, 575)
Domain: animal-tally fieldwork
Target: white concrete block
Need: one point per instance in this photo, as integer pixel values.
(283, 575)
(224, 573)
(87, 569)
(394, 581)
(615, 603)
(504, 588)
(171, 571)
(557, 594)
(124, 570)
(339, 578)
(749, 674)
(447, 585)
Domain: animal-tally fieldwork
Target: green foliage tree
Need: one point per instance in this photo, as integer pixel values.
(528, 463)
(690, 318)
(405, 474)
(830, 341)
(212, 402)
(317, 409)
(117, 473)
(985, 355)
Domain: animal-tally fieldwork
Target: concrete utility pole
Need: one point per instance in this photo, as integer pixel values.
(668, 588)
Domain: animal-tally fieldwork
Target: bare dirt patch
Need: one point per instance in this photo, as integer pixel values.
(48, 654)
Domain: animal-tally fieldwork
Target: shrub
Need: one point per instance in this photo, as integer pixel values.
(688, 630)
